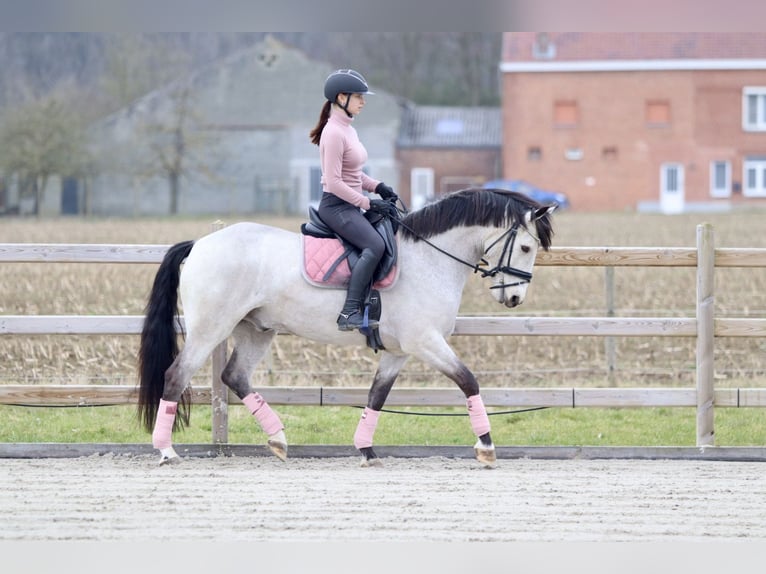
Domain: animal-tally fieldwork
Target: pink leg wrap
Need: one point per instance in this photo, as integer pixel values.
(365, 430)
(163, 424)
(267, 418)
(478, 415)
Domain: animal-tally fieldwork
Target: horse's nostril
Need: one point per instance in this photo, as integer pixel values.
(514, 300)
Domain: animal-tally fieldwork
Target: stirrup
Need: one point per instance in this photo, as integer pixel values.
(353, 321)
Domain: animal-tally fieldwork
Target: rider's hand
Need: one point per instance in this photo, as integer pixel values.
(386, 191)
(383, 207)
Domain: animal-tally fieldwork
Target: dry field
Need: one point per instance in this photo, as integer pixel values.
(55, 288)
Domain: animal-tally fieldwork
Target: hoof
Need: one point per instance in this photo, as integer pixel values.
(169, 456)
(170, 460)
(278, 445)
(278, 449)
(370, 462)
(369, 458)
(485, 454)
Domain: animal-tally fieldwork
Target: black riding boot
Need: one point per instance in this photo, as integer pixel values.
(352, 316)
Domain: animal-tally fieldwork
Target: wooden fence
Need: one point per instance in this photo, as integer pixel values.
(705, 327)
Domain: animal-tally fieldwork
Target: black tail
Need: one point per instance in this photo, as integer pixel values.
(159, 341)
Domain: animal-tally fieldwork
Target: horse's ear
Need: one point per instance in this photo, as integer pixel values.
(541, 211)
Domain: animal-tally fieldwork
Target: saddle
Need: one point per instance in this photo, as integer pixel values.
(328, 260)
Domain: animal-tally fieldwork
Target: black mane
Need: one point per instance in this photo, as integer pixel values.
(475, 206)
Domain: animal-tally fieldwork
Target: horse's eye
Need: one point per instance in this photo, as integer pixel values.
(525, 248)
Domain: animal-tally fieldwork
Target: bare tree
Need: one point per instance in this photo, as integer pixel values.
(135, 64)
(436, 68)
(174, 143)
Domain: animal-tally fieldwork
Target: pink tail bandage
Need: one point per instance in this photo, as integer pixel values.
(267, 418)
(365, 430)
(478, 415)
(163, 424)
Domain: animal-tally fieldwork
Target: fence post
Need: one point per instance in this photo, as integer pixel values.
(705, 334)
(609, 342)
(219, 391)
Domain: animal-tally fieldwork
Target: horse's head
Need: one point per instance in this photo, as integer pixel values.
(511, 256)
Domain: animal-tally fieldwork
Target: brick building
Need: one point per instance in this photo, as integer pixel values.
(647, 121)
(442, 149)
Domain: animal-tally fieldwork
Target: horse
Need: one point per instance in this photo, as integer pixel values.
(245, 282)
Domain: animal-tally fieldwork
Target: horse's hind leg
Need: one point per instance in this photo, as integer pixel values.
(388, 370)
(250, 346)
(177, 378)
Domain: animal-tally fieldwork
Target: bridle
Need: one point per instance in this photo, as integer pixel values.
(507, 269)
(510, 238)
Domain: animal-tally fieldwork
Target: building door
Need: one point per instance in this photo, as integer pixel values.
(315, 185)
(671, 188)
(421, 186)
(69, 197)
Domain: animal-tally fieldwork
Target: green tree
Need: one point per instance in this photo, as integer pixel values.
(41, 139)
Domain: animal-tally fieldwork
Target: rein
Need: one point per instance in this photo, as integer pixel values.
(510, 239)
(422, 414)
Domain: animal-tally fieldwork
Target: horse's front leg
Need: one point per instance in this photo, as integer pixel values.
(437, 352)
(388, 370)
(477, 413)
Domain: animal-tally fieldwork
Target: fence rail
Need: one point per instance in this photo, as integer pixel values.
(704, 326)
(106, 395)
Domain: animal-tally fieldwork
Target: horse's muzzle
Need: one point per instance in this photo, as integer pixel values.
(513, 301)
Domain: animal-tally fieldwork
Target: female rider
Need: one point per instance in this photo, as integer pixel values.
(342, 157)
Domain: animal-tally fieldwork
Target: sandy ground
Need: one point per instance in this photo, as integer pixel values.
(121, 497)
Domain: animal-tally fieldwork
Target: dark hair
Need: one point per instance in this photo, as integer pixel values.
(324, 115)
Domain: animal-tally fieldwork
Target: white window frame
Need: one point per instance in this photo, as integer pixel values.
(757, 188)
(755, 94)
(724, 191)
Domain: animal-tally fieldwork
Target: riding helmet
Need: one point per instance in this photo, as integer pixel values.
(345, 82)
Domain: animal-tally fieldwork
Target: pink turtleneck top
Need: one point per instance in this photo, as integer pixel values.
(342, 157)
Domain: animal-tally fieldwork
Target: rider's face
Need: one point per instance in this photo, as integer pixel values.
(355, 102)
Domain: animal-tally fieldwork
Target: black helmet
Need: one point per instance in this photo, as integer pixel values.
(345, 82)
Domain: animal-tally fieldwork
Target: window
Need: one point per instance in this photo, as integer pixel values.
(543, 48)
(672, 188)
(657, 113)
(609, 153)
(720, 179)
(671, 178)
(534, 153)
(755, 177)
(449, 127)
(565, 114)
(754, 109)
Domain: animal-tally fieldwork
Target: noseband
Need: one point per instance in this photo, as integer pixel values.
(505, 254)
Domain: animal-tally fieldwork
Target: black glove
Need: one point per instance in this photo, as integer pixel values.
(383, 207)
(386, 191)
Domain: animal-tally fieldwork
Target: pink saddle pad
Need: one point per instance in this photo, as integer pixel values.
(320, 254)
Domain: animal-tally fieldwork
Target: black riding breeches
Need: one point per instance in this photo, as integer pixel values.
(347, 221)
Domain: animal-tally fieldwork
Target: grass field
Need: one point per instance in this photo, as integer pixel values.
(336, 425)
(498, 361)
